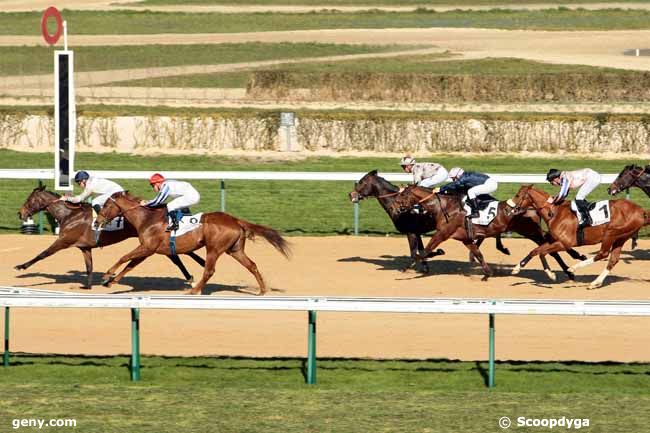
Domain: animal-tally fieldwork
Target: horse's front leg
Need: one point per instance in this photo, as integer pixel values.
(88, 259)
(129, 266)
(545, 248)
(140, 251)
(57, 245)
(476, 252)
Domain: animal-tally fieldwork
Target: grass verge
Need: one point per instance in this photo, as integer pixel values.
(261, 395)
(39, 60)
(147, 22)
(295, 208)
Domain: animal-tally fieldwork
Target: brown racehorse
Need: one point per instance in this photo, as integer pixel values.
(631, 175)
(75, 223)
(219, 233)
(626, 218)
(398, 205)
(448, 211)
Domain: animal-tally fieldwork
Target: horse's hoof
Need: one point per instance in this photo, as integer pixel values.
(506, 251)
(85, 287)
(571, 276)
(108, 280)
(583, 257)
(20, 267)
(485, 277)
(440, 252)
(516, 270)
(595, 285)
(550, 274)
(190, 280)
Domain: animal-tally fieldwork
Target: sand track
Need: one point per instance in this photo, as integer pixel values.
(341, 266)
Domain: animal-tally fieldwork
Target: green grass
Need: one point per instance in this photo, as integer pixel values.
(38, 60)
(330, 3)
(427, 64)
(269, 395)
(295, 208)
(147, 22)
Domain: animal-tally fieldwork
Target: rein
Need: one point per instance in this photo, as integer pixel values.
(122, 211)
(391, 194)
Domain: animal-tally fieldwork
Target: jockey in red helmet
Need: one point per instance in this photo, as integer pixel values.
(183, 193)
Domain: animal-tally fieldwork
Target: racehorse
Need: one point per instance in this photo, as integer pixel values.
(631, 175)
(449, 212)
(398, 206)
(626, 218)
(218, 232)
(75, 223)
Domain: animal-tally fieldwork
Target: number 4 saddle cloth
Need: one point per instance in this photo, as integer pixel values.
(598, 211)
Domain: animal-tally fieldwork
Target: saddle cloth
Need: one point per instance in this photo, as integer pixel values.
(188, 223)
(599, 212)
(111, 226)
(486, 213)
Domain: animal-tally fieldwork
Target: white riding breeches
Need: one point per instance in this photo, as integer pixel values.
(592, 182)
(488, 187)
(183, 201)
(436, 179)
(101, 199)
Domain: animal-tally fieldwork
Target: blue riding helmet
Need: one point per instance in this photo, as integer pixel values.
(81, 175)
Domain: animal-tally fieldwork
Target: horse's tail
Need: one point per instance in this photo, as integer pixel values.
(272, 236)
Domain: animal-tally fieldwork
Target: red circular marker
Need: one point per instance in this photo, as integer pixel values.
(52, 12)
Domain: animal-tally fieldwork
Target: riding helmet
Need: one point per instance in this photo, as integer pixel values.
(81, 175)
(406, 161)
(156, 178)
(553, 174)
(456, 172)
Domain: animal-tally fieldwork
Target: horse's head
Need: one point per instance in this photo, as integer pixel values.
(521, 200)
(366, 187)
(38, 200)
(114, 207)
(626, 178)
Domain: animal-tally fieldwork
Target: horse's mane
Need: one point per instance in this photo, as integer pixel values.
(381, 180)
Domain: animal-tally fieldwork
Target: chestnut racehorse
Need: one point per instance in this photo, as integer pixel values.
(450, 215)
(218, 232)
(75, 224)
(626, 218)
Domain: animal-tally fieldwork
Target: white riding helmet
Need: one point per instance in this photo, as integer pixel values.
(407, 160)
(456, 172)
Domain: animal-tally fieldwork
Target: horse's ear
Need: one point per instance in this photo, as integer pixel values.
(41, 188)
(373, 172)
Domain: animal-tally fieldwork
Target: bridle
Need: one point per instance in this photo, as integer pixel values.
(122, 211)
(631, 173)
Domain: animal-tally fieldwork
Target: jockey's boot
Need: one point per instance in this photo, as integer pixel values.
(473, 205)
(583, 208)
(173, 224)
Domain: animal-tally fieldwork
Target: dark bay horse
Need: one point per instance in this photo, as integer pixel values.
(219, 233)
(631, 175)
(398, 205)
(75, 223)
(626, 219)
(448, 211)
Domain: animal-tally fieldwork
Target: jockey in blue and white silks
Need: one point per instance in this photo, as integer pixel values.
(183, 193)
(471, 183)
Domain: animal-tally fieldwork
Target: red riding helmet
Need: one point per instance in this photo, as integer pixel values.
(156, 178)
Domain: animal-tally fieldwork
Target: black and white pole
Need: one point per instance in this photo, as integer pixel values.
(65, 114)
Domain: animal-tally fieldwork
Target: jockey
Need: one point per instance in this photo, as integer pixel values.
(425, 174)
(471, 183)
(184, 193)
(586, 179)
(93, 185)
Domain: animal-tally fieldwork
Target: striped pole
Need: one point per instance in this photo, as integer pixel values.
(223, 195)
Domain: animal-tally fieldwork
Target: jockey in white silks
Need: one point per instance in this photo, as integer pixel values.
(586, 180)
(102, 188)
(184, 196)
(425, 174)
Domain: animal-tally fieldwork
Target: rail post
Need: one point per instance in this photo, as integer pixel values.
(491, 353)
(356, 216)
(41, 216)
(311, 349)
(5, 356)
(223, 195)
(135, 344)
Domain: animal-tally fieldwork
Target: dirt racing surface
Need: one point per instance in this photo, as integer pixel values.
(332, 266)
